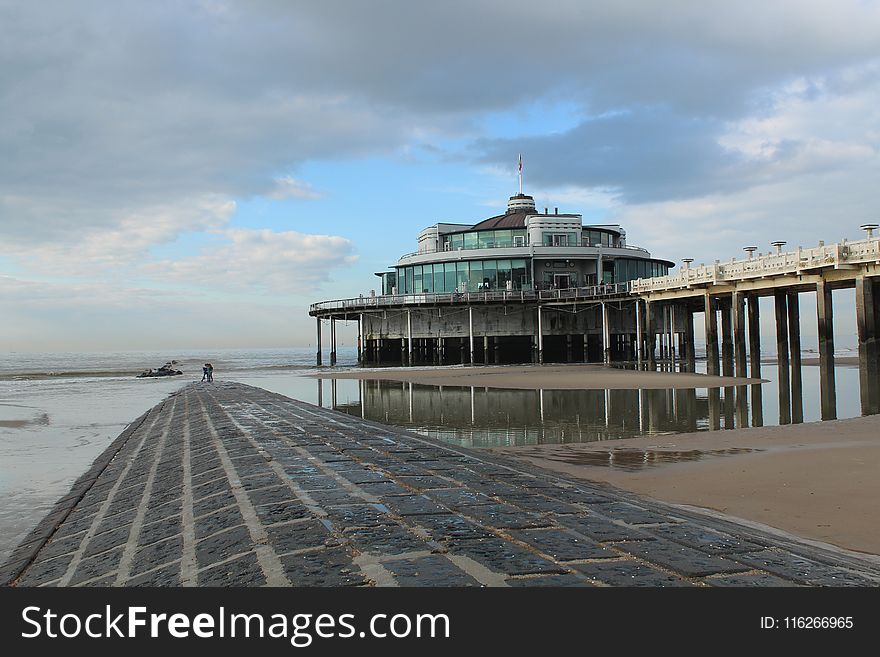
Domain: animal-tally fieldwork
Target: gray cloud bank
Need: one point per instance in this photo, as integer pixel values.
(112, 107)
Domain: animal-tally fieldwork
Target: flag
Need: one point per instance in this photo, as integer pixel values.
(520, 163)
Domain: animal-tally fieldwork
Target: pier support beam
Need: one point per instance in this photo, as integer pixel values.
(409, 341)
(318, 354)
(606, 335)
(485, 350)
(711, 321)
(650, 326)
(794, 349)
(540, 338)
(867, 319)
(471, 333)
(782, 364)
(726, 338)
(827, 385)
(689, 348)
(333, 341)
(757, 393)
(360, 345)
(639, 340)
(739, 333)
(754, 338)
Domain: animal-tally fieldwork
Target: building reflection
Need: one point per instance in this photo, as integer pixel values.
(487, 417)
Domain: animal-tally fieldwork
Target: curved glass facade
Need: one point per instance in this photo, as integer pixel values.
(462, 276)
(485, 239)
(629, 269)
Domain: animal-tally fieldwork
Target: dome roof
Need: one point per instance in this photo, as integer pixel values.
(519, 207)
(509, 220)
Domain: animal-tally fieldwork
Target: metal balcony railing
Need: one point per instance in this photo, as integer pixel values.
(594, 292)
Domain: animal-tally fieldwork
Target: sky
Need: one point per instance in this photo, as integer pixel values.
(193, 174)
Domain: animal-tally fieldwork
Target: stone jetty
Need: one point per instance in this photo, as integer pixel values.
(230, 485)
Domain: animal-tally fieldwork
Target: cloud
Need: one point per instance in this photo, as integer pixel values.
(121, 245)
(289, 187)
(808, 127)
(260, 260)
(108, 110)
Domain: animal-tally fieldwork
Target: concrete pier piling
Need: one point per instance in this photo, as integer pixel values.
(782, 361)
(711, 322)
(794, 346)
(230, 485)
(739, 333)
(868, 322)
(318, 343)
(825, 319)
(726, 337)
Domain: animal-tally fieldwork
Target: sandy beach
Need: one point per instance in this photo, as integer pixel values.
(818, 481)
(532, 377)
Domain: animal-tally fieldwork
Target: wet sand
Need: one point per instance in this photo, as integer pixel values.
(848, 361)
(533, 377)
(818, 481)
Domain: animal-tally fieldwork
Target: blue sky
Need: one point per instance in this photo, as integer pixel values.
(220, 165)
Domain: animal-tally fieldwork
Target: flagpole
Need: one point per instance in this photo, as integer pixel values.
(520, 174)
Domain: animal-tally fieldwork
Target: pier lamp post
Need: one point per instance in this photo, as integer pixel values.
(751, 250)
(869, 228)
(778, 244)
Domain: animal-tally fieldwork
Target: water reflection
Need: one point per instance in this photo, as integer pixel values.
(632, 459)
(487, 417)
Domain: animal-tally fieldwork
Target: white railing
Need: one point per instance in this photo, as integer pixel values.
(490, 296)
(430, 251)
(773, 264)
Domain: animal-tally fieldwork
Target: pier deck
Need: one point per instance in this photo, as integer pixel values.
(230, 485)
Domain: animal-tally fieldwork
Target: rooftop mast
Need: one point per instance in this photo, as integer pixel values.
(520, 173)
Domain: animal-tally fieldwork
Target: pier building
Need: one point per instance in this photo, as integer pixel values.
(523, 286)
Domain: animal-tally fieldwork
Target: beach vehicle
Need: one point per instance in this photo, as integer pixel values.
(166, 370)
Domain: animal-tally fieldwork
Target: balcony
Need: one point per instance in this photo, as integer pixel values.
(591, 293)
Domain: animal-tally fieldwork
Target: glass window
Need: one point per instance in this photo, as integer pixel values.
(408, 288)
(428, 278)
(490, 275)
(503, 238)
(470, 240)
(520, 274)
(457, 241)
(475, 279)
(503, 269)
(486, 239)
(417, 280)
(461, 276)
(449, 274)
(438, 277)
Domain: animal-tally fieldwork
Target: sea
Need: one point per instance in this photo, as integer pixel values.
(59, 411)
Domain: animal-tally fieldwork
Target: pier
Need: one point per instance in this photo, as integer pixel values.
(733, 289)
(647, 321)
(230, 485)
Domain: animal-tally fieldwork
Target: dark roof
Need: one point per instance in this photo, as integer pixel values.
(509, 220)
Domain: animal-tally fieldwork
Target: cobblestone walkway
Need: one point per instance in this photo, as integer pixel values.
(230, 485)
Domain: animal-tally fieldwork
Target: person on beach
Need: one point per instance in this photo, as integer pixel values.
(205, 372)
(210, 372)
